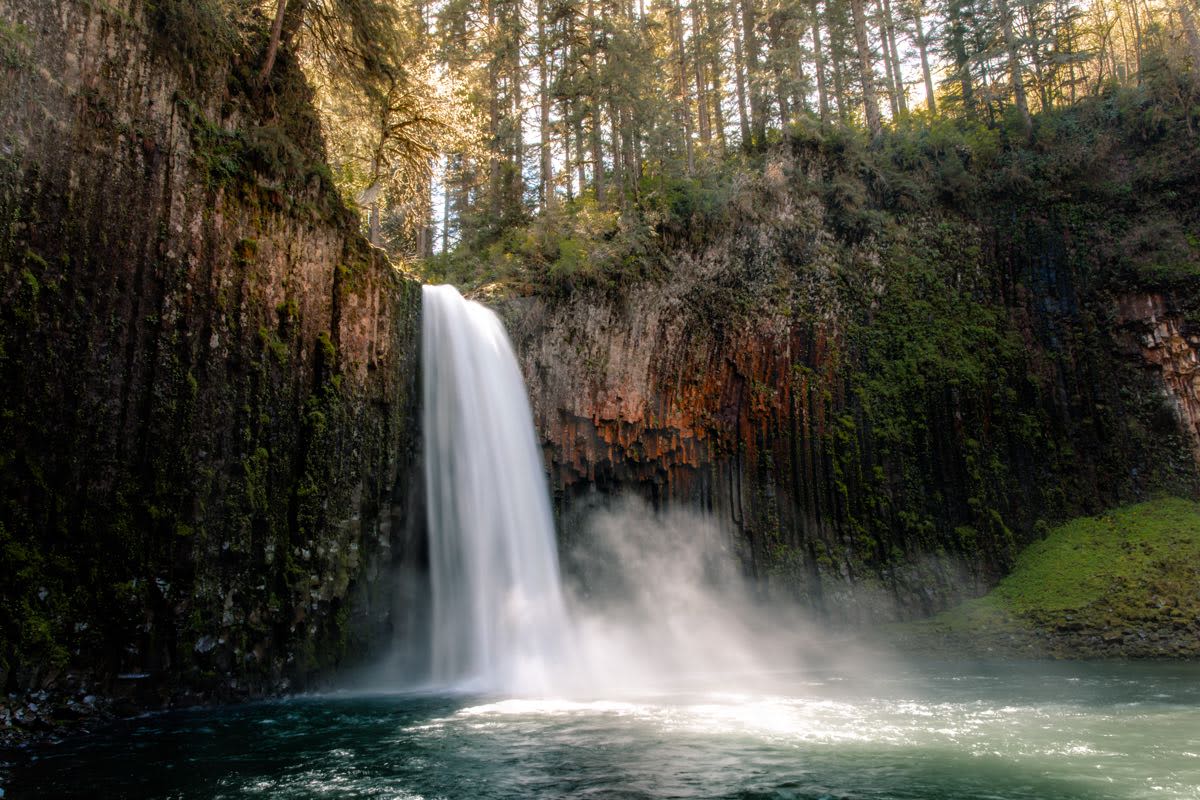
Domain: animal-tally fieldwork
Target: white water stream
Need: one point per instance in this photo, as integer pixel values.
(499, 619)
(664, 605)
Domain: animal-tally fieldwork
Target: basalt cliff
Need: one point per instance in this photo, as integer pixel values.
(889, 369)
(208, 374)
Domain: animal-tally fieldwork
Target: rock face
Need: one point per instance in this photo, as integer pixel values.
(1163, 339)
(208, 375)
(884, 420)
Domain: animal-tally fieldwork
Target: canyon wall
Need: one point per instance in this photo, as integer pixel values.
(209, 376)
(883, 403)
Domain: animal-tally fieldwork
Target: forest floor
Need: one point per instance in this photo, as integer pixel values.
(1124, 584)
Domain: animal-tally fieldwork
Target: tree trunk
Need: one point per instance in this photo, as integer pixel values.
(865, 69)
(580, 165)
(888, 73)
(989, 96)
(739, 65)
(775, 39)
(923, 47)
(702, 119)
(957, 37)
(799, 80)
(1035, 53)
(1192, 34)
(493, 86)
(568, 179)
(427, 221)
(633, 165)
(715, 72)
(273, 42)
(839, 76)
(758, 114)
(446, 207)
(546, 166)
(684, 107)
(571, 163)
(1137, 39)
(373, 226)
(897, 68)
(718, 113)
(516, 174)
(614, 127)
(462, 201)
(596, 130)
(1014, 64)
(819, 63)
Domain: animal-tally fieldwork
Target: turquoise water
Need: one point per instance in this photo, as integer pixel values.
(999, 732)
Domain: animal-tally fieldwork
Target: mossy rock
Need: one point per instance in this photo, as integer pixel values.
(1125, 583)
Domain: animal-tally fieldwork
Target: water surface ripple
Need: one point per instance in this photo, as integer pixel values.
(999, 732)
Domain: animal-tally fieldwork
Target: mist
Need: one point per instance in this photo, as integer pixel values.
(661, 601)
(657, 602)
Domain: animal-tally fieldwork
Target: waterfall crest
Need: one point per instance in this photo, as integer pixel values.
(499, 619)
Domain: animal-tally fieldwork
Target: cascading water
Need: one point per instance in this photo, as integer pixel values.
(663, 606)
(499, 620)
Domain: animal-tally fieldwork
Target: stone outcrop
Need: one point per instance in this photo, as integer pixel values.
(1160, 335)
(208, 375)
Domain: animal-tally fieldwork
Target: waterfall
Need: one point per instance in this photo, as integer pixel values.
(499, 619)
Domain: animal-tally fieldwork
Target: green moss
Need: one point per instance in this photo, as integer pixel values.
(287, 311)
(218, 153)
(245, 251)
(326, 352)
(1118, 570)
(36, 261)
(1111, 561)
(325, 347)
(276, 346)
(265, 166)
(32, 287)
(32, 602)
(255, 472)
(14, 45)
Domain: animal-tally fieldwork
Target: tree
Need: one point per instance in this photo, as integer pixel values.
(1014, 63)
(387, 121)
(865, 68)
(819, 62)
(753, 56)
(916, 13)
(632, 100)
(273, 42)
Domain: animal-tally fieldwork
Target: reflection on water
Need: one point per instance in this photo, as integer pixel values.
(1001, 731)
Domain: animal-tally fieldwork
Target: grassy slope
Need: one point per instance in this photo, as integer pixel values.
(1126, 583)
